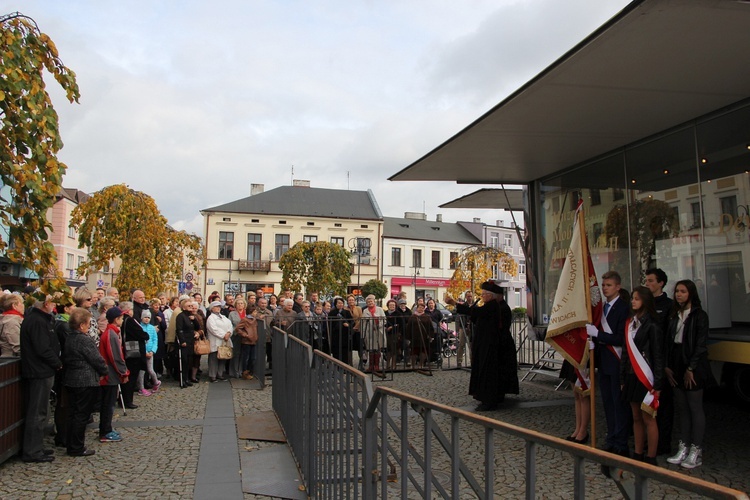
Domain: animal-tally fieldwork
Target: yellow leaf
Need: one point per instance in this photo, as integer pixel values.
(69, 481)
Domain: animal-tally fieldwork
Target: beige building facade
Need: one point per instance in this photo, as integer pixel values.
(245, 238)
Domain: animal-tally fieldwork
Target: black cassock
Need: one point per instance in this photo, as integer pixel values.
(494, 369)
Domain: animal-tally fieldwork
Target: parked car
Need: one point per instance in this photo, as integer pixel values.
(447, 313)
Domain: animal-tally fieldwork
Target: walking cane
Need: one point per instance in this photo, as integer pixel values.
(122, 401)
(179, 363)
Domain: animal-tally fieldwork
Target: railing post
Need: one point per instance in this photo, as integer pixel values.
(579, 478)
(530, 469)
(368, 450)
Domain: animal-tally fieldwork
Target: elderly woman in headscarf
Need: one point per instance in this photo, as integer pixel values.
(494, 369)
(373, 325)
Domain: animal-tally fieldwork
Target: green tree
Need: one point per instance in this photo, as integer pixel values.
(121, 222)
(318, 267)
(29, 143)
(376, 288)
(474, 265)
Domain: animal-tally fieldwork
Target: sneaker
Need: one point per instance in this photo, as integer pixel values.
(682, 453)
(693, 459)
(144, 392)
(112, 437)
(156, 387)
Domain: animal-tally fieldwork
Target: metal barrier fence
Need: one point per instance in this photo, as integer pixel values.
(384, 346)
(11, 408)
(351, 441)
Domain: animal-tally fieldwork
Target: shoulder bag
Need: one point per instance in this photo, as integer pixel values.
(224, 351)
(202, 346)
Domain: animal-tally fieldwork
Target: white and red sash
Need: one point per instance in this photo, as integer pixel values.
(616, 350)
(641, 368)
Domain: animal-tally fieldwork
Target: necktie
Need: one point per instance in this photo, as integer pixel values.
(606, 308)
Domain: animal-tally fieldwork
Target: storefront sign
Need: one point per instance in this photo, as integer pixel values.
(423, 282)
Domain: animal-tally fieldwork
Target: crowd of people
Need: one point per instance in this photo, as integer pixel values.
(652, 360)
(650, 354)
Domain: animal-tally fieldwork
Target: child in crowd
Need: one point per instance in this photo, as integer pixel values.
(151, 347)
(110, 347)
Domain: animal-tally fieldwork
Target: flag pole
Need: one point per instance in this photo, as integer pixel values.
(592, 398)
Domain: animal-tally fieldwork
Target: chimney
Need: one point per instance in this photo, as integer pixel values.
(439, 218)
(256, 189)
(513, 225)
(477, 220)
(500, 223)
(301, 183)
(415, 215)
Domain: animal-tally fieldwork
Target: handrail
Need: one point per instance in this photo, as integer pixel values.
(639, 469)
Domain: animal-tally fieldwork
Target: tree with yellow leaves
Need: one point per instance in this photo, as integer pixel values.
(475, 264)
(29, 143)
(121, 222)
(318, 267)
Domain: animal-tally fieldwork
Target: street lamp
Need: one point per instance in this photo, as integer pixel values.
(414, 282)
(359, 247)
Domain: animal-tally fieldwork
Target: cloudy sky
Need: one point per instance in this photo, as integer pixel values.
(192, 101)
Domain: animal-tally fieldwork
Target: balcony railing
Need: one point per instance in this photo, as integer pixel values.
(255, 265)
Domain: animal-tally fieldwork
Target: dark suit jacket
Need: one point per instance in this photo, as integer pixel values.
(618, 314)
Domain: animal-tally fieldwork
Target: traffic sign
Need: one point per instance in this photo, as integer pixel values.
(189, 285)
(189, 277)
(181, 287)
(99, 283)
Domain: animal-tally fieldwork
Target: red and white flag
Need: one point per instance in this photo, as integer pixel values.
(578, 300)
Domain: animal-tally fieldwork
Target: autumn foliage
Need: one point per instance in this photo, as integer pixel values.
(121, 222)
(29, 142)
(317, 267)
(475, 265)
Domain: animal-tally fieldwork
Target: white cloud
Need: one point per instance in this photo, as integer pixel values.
(191, 102)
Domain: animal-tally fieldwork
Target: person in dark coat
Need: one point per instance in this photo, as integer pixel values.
(494, 368)
(40, 359)
(135, 358)
(420, 332)
(84, 369)
(339, 328)
(643, 327)
(187, 329)
(400, 317)
(609, 343)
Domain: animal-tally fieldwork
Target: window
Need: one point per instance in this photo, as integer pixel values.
(282, 245)
(309, 238)
(253, 246)
(69, 261)
(729, 205)
(226, 245)
(436, 259)
(598, 230)
(494, 240)
(363, 246)
(617, 194)
(695, 208)
(71, 232)
(395, 256)
(80, 261)
(574, 197)
(454, 259)
(337, 240)
(416, 258)
(521, 267)
(596, 197)
(507, 240)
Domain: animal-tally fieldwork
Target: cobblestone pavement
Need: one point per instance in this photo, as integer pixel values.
(158, 457)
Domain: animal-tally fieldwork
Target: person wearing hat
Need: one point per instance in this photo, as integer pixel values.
(494, 369)
(110, 347)
(401, 317)
(152, 346)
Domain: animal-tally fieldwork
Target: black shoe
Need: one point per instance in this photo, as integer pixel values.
(212, 380)
(60, 444)
(131, 406)
(189, 384)
(84, 453)
(486, 407)
(48, 452)
(582, 441)
(42, 459)
(193, 381)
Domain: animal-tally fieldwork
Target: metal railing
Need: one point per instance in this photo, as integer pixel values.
(11, 408)
(351, 441)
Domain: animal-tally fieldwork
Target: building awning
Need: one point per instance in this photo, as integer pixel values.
(489, 199)
(655, 65)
